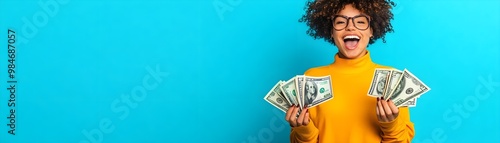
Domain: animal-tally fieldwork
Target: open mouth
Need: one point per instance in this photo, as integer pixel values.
(351, 41)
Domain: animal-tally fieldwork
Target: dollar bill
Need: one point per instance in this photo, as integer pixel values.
(277, 101)
(410, 103)
(299, 80)
(317, 90)
(408, 87)
(379, 82)
(392, 81)
(290, 91)
(277, 90)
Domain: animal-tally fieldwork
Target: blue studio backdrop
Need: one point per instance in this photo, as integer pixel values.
(171, 71)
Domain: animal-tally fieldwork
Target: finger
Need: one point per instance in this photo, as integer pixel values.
(301, 117)
(378, 112)
(306, 121)
(382, 111)
(388, 111)
(293, 118)
(394, 109)
(289, 113)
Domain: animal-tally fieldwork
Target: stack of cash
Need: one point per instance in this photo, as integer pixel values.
(302, 91)
(401, 87)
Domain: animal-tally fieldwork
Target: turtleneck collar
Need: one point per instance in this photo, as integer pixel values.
(353, 66)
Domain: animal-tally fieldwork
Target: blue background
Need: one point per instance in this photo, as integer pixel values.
(81, 57)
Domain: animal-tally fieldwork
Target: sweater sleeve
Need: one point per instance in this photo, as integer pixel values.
(304, 134)
(400, 130)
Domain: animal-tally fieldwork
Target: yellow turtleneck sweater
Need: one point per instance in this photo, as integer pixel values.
(350, 117)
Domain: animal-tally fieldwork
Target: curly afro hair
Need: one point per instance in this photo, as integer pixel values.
(319, 14)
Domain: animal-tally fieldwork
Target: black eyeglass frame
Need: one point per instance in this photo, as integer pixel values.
(352, 19)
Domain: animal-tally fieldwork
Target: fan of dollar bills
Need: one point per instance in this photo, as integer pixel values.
(402, 87)
(302, 91)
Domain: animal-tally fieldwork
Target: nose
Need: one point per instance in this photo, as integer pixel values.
(350, 25)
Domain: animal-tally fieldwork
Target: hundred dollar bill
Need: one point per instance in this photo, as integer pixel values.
(317, 90)
(299, 81)
(409, 87)
(277, 101)
(395, 75)
(290, 92)
(379, 82)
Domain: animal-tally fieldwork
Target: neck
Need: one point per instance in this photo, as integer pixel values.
(356, 65)
(344, 57)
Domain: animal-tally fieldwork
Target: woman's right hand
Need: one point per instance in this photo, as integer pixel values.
(293, 120)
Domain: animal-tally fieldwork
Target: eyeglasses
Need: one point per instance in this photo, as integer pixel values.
(361, 22)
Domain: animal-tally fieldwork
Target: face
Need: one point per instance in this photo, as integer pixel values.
(310, 88)
(351, 41)
(381, 86)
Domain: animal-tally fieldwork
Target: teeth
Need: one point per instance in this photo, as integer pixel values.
(351, 37)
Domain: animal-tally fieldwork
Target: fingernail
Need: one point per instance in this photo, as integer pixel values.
(307, 110)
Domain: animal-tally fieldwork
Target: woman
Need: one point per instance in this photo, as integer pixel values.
(351, 116)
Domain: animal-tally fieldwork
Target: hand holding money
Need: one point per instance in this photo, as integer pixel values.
(297, 95)
(400, 87)
(386, 110)
(293, 120)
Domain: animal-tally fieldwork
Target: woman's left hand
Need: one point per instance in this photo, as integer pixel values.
(386, 110)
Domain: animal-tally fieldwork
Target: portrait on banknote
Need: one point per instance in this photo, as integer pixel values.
(311, 92)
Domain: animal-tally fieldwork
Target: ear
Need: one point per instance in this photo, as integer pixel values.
(371, 32)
